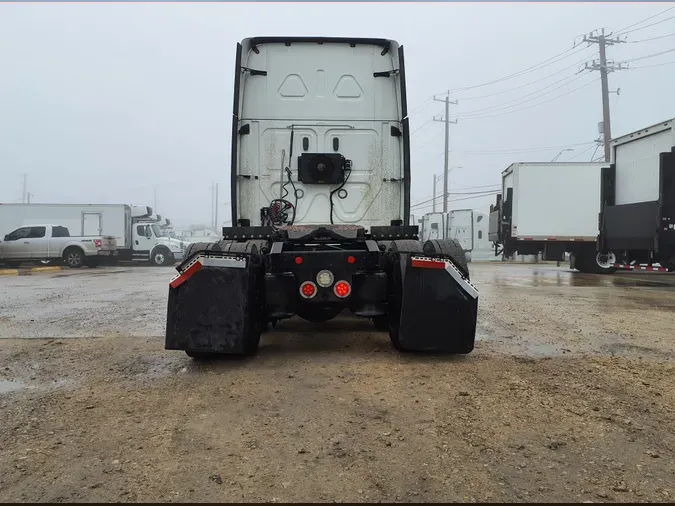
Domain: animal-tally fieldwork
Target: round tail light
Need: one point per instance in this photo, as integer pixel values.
(308, 289)
(342, 289)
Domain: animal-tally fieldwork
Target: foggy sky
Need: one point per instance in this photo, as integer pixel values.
(104, 103)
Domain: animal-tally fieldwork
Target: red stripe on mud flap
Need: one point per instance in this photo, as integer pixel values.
(428, 264)
(185, 275)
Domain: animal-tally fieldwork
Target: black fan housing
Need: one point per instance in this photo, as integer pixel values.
(321, 168)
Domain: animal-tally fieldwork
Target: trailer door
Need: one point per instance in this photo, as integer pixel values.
(91, 224)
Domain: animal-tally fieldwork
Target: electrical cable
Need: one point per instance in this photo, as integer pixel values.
(624, 32)
(646, 19)
(518, 100)
(530, 106)
(648, 56)
(330, 198)
(538, 66)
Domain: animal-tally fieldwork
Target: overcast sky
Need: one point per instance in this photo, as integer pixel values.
(104, 103)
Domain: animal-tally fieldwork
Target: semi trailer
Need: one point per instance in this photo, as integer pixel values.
(320, 191)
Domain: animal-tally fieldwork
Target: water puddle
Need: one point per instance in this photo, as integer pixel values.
(11, 386)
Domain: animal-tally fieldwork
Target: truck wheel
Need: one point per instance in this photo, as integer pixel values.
(161, 256)
(394, 298)
(596, 262)
(74, 257)
(451, 249)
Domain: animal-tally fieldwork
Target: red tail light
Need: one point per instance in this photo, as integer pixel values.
(97, 243)
(308, 289)
(342, 289)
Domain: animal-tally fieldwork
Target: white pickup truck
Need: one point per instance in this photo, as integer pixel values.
(42, 243)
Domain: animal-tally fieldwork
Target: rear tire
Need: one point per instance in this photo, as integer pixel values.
(450, 248)
(74, 257)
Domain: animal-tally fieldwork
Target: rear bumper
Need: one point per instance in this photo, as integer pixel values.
(368, 296)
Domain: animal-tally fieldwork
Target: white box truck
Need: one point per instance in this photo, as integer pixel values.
(138, 237)
(549, 208)
(637, 222)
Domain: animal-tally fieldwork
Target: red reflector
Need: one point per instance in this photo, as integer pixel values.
(428, 264)
(298, 260)
(351, 259)
(308, 289)
(97, 243)
(342, 289)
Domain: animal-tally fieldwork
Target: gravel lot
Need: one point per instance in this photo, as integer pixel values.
(568, 396)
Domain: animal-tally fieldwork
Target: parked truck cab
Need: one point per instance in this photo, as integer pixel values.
(320, 181)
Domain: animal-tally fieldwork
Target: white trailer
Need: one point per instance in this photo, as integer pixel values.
(551, 208)
(637, 221)
(137, 238)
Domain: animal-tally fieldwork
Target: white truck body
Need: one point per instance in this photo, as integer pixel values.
(434, 226)
(554, 201)
(636, 157)
(134, 242)
(461, 227)
(327, 98)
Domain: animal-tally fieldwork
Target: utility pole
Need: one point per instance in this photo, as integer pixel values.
(155, 203)
(29, 195)
(447, 122)
(216, 211)
(24, 191)
(434, 204)
(605, 68)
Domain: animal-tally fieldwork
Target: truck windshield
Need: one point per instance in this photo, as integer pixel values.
(158, 231)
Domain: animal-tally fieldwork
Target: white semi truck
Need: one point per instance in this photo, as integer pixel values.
(138, 236)
(320, 181)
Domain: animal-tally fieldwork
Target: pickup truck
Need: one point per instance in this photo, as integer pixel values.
(45, 243)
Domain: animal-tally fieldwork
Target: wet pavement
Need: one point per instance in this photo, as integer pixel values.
(567, 396)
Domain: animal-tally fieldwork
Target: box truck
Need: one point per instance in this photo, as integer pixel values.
(550, 209)
(138, 236)
(320, 181)
(637, 220)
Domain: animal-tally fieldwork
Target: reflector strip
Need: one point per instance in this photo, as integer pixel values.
(640, 268)
(185, 275)
(450, 268)
(428, 264)
(206, 261)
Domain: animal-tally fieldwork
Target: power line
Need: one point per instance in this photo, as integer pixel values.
(533, 105)
(538, 66)
(460, 199)
(649, 39)
(519, 101)
(575, 64)
(646, 19)
(653, 65)
(524, 150)
(648, 56)
(430, 199)
(624, 32)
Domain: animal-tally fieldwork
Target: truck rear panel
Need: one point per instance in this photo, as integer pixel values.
(555, 201)
(329, 96)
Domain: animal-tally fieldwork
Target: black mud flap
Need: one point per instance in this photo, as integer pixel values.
(438, 306)
(215, 305)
